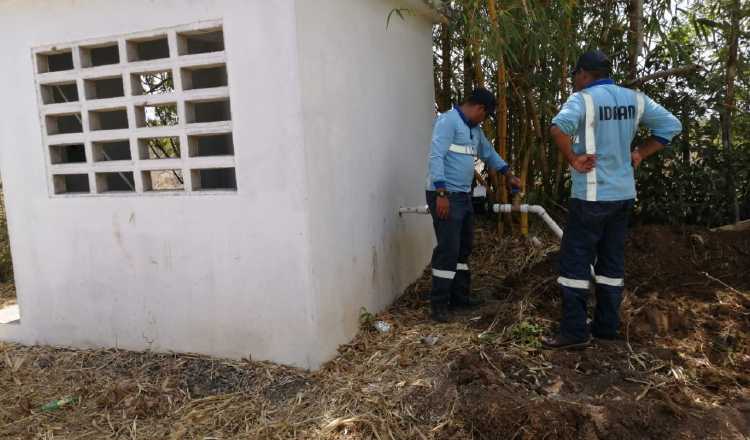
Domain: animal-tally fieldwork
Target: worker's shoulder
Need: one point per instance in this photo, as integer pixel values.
(449, 118)
(620, 90)
(575, 97)
(451, 114)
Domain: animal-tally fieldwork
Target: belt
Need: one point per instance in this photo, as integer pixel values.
(453, 192)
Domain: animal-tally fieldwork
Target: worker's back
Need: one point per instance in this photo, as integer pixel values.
(612, 114)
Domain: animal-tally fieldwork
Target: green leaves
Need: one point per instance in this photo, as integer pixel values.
(539, 41)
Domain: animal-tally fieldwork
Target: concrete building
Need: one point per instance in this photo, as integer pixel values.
(212, 176)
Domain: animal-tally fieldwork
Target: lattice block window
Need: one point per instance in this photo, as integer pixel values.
(103, 88)
(70, 153)
(111, 150)
(59, 93)
(100, 55)
(214, 179)
(71, 183)
(217, 144)
(139, 114)
(54, 61)
(163, 180)
(204, 77)
(152, 83)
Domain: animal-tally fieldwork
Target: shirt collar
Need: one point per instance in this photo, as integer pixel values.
(463, 117)
(600, 82)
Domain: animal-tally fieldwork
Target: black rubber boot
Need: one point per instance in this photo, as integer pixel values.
(439, 312)
(565, 343)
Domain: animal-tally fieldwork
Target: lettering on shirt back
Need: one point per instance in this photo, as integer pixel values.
(616, 113)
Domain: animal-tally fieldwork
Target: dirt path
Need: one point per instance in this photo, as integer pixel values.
(682, 372)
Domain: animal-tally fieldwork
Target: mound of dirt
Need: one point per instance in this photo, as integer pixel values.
(680, 372)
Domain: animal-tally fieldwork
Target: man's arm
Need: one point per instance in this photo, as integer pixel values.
(664, 126)
(442, 137)
(565, 125)
(496, 163)
(649, 147)
(583, 163)
(489, 156)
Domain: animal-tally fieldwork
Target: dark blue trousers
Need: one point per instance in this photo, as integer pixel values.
(450, 258)
(594, 236)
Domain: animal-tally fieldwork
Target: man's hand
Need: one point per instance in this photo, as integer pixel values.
(636, 158)
(443, 208)
(513, 181)
(650, 146)
(583, 163)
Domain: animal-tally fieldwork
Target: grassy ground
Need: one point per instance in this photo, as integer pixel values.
(7, 288)
(682, 371)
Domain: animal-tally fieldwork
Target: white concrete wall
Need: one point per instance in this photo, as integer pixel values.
(332, 117)
(367, 99)
(222, 275)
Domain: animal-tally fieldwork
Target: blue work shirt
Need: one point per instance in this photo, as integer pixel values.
(455, 145)
(616, 115)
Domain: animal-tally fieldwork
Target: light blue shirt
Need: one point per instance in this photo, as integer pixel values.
(454, 147)
(616, 119)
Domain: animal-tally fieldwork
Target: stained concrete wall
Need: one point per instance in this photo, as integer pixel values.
(331, 117)
(367, 101)
(226, 275)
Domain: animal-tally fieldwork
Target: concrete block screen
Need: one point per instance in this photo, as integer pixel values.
(188, 179)
(110, 101)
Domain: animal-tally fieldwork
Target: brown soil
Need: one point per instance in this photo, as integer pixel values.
(682, 371)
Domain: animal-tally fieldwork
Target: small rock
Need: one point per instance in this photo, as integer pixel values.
(697, 239)
(554, 388)
(382, 326)
(429, 340)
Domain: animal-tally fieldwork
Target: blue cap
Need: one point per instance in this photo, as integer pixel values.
(483, 97)
(593, 60)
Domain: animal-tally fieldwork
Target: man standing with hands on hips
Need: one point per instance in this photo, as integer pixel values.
(457, 139)
(604, 119)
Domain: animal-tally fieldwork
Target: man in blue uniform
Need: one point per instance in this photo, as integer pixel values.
(457, 140)
(603, 119)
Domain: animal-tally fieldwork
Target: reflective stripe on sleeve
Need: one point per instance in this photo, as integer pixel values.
(639, 106)
(463, 149)
(462, 266)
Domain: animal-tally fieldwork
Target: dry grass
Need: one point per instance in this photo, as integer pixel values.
(375, 388)
(394, 385)
(7, 288)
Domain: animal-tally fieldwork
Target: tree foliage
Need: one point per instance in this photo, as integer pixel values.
(522, 50)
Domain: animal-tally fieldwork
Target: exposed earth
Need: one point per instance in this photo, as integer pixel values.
(682, 369)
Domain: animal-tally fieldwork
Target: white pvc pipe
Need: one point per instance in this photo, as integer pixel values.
(424, 209)
(534, 209)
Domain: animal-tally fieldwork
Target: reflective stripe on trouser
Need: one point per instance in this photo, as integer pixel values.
(595, 232)
(454, 235)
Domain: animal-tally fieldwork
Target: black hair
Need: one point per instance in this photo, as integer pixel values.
(484, 98)
(596, 63)
(598, 74)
